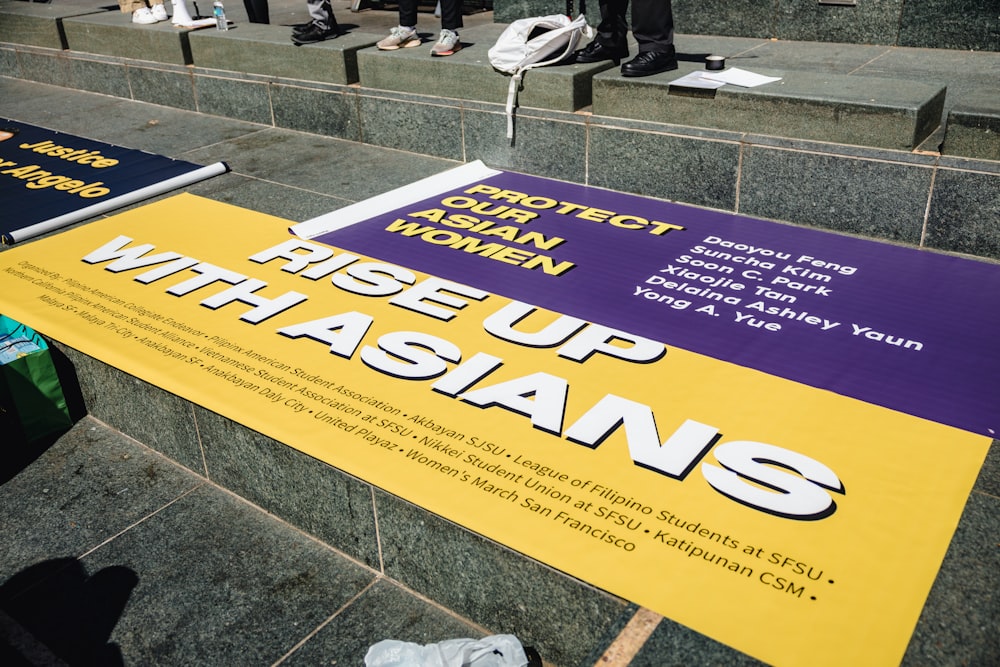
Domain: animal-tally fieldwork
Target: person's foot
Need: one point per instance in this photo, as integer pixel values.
(299, 28)
(447, 44)
(595, 52)
(159, 12)
(400, 37)
(313, 34)
(143, 16)
(650, 62)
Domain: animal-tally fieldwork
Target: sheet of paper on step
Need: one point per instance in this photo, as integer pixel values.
(697, 80)
(740, 77)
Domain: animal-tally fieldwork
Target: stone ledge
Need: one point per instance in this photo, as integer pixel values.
(882, 112)
(973, 131)
(114, 34)
(858, 110)
(468, 75)
(36, 24)
(268, 50)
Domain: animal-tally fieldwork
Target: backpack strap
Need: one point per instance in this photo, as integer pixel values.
(515, 84)
(574, 29)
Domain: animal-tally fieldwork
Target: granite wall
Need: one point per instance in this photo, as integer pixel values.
(942, 24)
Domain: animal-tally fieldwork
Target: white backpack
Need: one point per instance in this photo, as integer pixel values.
(534, 42)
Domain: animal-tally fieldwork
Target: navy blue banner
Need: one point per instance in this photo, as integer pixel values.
(49, 179)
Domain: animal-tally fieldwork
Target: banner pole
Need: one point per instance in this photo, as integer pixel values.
(180, 181)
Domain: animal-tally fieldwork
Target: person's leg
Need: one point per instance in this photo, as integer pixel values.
(323, 25)
(129, 6)
(451, 20)
(451, 15)
(140, 11)
(611, 41)
(257, 11)
(321, 14)
(653, 25)
(159, 11)
(612, 31)
(405, 34)
(408, 13)
(653, 28)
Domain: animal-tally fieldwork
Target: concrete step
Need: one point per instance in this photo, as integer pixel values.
(830, 93)
(38, 24)
(974, 130)
(267, 50)
(859, 110)
(113, 34)
(468, 75)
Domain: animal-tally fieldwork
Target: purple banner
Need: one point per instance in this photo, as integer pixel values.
(906, 329)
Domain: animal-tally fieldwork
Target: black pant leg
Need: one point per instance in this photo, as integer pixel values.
(653, 25)
(451, 14)
(257, 11)
(408, 12)
(612, 31)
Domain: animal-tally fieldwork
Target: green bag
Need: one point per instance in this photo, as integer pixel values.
(32, 404)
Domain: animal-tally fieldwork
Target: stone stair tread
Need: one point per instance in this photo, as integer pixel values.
(853, 109)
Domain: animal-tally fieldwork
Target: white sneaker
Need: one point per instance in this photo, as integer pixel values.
(143, 16)
(160, 13)
(447, 43)
(400, 37)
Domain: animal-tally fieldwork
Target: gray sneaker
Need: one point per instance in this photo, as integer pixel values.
(399, 37)
(447, 43)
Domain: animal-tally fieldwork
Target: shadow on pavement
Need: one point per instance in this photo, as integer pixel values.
(54, 613)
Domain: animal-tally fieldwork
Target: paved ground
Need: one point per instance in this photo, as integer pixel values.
(103, 523)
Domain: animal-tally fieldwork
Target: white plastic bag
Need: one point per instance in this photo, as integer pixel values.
(493, 651)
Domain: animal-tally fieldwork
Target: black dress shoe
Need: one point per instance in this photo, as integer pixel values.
(650, 62)
(595, 52)
(314, 34)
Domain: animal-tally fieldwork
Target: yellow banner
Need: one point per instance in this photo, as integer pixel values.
(791, 523)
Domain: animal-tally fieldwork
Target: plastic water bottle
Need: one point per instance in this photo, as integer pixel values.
(219, 12)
